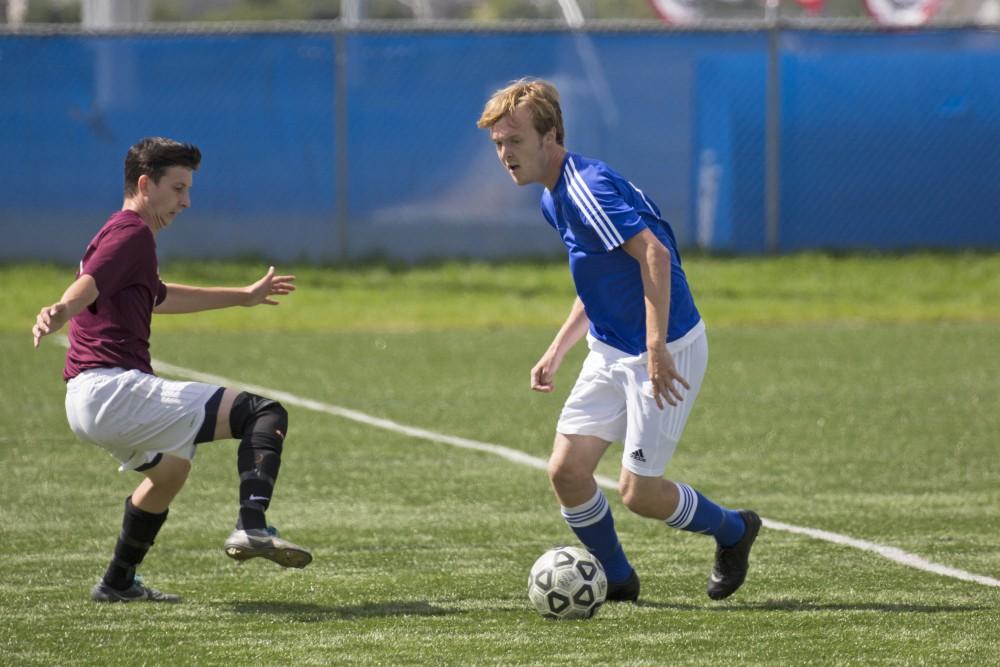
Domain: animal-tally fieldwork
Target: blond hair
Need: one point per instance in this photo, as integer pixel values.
(541, 97)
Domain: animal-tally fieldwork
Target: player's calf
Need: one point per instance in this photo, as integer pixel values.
(139, 529)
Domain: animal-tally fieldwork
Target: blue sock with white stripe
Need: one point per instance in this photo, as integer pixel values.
(698, 514)
(593, 524)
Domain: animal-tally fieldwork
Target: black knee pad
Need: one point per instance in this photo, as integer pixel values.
(255, 414)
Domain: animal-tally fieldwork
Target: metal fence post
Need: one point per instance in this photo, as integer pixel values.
(341, 138)
(772, 177)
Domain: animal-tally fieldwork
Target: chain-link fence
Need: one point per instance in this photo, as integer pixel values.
(325, 143)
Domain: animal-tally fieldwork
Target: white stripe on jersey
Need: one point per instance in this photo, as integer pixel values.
(598, 217)
(576, 193)
(588, 215)
(644, 200)
(595, 214)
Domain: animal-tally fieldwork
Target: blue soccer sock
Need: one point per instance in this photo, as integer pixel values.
(593, 524)
(698, 514)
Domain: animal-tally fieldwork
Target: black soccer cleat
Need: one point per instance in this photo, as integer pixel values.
(624, 591)
(137, 592)
(732, 563)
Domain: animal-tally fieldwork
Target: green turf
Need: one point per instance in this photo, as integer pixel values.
(730, 292)
(820, 409)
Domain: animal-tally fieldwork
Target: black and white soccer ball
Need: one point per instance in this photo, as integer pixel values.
(567, 583)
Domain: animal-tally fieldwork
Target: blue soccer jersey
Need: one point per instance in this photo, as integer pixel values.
(595, 210)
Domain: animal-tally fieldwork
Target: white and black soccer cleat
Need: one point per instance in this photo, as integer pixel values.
(256, 543)
(137, 592)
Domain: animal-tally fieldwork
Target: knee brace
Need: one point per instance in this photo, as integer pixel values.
(262, 419)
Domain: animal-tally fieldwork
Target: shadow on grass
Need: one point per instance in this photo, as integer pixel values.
(311, 613)
(806, 606)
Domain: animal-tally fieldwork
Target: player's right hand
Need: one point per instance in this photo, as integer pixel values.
(50, 319)
(665, 380)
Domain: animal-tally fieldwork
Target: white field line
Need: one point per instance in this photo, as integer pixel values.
(892, 553)
(515, 456)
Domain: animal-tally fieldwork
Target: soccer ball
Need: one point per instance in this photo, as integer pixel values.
(567, 583)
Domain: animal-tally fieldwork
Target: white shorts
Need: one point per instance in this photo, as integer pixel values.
(136, 416)
(613, 400)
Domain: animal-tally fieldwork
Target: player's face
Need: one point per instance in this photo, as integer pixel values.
(164, 200)
(520, 147)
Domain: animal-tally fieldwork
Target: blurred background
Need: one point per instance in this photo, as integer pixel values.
(342, 130)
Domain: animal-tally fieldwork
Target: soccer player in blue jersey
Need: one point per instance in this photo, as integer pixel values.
(648, 348)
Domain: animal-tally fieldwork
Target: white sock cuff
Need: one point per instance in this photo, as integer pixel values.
(687, 503)
(588, 513)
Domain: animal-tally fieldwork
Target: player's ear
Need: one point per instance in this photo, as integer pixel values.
(142, 185)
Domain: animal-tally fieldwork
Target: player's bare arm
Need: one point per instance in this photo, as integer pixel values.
(188, 299)
(573, 329)
(654, 265)
(80, 294)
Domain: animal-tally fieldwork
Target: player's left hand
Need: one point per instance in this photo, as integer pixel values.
(268, 286)
(664, 378)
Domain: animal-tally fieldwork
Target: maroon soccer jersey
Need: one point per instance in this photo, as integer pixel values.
(113, 332)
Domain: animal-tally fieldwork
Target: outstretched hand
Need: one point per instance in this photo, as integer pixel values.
(50, 319)
(268, 286)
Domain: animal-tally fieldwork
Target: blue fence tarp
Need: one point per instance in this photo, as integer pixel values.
(888, 140)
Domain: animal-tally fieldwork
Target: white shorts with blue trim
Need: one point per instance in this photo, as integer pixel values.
(134, 415)
(613, 400)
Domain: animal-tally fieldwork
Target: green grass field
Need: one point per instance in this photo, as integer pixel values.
(856, 395)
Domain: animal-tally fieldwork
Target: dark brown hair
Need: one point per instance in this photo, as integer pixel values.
(153, 156)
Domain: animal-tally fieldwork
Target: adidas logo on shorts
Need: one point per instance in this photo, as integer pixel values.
(637, 455)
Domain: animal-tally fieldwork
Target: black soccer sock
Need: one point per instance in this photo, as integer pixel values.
(139, 529)
(258, 467)
(261, 424)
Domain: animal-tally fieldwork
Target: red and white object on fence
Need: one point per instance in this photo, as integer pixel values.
(902, 13)
(897, 13)
(679, 12)
(686, 12)
(812, 6)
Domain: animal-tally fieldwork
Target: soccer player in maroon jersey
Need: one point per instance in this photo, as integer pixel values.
(149, 424)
